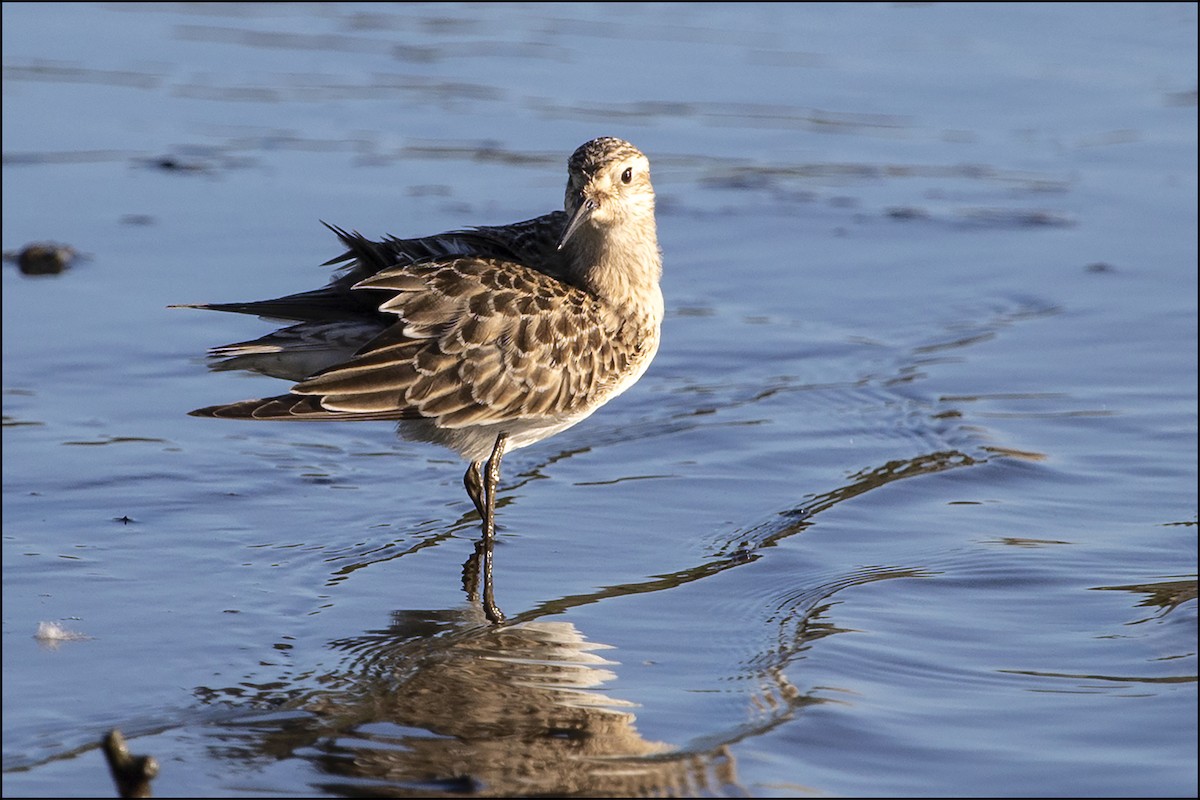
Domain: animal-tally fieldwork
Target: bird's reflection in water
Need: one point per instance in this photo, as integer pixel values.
(480, 564)
(443, 703)
(448, 703)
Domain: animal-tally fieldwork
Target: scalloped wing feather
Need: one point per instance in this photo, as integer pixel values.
(479, 341)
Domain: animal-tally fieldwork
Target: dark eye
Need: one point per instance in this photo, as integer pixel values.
(627, 175)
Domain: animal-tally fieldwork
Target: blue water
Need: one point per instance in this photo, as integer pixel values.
(906, 504)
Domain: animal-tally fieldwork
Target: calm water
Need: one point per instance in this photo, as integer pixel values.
(906, 505)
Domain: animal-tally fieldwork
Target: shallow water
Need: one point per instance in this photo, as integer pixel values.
(905, 505)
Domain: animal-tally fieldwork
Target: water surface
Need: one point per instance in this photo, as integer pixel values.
(905, 505)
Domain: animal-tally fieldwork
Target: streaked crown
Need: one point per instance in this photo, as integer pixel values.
(591, 156)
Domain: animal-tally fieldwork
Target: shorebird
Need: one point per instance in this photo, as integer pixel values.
(483, 340)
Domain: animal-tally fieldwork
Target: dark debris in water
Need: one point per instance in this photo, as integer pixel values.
(1018, 218)
(203, 159)
(984, 217)
(44, 258)
(131, 774)
(172, 164)
(907, 212)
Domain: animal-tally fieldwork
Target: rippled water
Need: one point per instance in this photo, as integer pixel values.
(906, 504)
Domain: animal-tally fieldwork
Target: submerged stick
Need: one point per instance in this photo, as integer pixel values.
(132, 774)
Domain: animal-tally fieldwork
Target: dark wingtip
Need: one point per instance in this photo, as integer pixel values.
(282, 407)
(242, 410)
(349, 239)
(346, 236)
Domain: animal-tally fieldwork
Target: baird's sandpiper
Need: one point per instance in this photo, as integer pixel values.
(483, 340)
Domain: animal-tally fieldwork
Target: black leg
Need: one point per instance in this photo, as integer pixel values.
(473, 480)
(470, 572)
(492, 479)
(481, 483)
(493, 612)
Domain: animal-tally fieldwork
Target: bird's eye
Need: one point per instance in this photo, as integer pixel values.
(627, 175)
